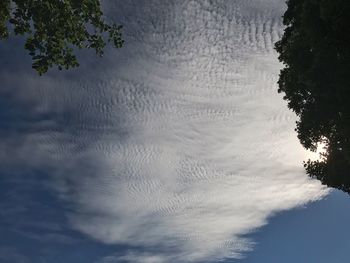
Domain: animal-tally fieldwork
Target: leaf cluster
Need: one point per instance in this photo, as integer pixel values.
(55, 28)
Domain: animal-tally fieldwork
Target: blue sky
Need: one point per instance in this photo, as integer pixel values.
(315, 233)
(176, 148)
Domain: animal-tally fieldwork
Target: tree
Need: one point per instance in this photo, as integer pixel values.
(315, 50)
(55, 28)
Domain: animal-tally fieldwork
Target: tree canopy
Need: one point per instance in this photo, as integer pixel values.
(315, 50)
(54, 29)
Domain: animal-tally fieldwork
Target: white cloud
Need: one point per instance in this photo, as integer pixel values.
(181, 146)
(135, 258)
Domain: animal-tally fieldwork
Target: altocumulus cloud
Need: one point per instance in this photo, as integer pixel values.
(178, 144)
(138, 257)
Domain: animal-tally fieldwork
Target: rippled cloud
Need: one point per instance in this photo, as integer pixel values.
(177, 144)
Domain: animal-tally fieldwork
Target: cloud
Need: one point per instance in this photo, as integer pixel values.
(177, 144)
(135, 258)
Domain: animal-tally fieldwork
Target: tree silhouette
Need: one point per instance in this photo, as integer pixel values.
(54, 28)
(315, 50)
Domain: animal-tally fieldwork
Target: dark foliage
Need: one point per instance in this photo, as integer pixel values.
(54, 28)
(315, 50)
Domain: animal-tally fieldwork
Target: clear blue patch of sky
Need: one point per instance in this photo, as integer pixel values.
(318, 233)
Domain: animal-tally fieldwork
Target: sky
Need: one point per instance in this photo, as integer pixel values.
(175, 148)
